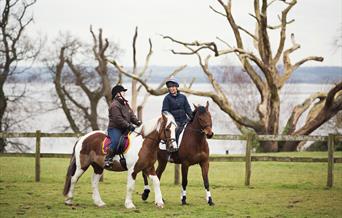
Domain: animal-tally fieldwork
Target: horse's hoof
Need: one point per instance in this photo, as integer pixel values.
(184, 200)
(68, 202)
(145, 194)
(129, 205)
(210, 202)
(100, 204)
(160, 205)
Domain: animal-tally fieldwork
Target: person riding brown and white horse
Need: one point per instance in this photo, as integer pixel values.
(121, 120)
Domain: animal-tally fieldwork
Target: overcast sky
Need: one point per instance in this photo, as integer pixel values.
(317, 24)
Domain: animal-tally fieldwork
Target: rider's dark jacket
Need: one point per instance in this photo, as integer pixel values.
(121, 115)
(178, 106)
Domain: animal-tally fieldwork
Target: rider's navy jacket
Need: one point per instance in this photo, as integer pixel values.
(178, 106)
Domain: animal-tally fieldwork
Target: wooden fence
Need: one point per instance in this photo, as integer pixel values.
(248, 158)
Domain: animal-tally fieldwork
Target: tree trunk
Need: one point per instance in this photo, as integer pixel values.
(134, 96)
(308, 128)
(3, 106)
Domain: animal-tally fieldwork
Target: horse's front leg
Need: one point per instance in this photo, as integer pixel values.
(131, 175)
(158, 199)
(185, 169)
(205, 168)
(162, 162)
(147, 190)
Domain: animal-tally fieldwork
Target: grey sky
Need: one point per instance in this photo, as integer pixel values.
(316, 25)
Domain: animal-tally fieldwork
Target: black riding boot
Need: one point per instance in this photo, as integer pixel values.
(109, 158)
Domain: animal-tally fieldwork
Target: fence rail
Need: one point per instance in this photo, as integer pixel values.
(248, 158)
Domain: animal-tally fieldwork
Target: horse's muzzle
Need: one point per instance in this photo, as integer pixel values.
(210, 135)
(208, 132)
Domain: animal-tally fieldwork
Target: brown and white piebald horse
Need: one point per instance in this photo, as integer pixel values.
(193, 149)
(140, 156)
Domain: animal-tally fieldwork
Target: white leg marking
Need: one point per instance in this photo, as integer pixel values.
(183, 193)
(95, 186)
(157, 192)
(147, 187)
(130, 189)
(207, 195)
(74, 179)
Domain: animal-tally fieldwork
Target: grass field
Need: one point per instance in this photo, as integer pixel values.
(277, 190)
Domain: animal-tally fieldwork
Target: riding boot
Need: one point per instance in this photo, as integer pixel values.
(109, 158)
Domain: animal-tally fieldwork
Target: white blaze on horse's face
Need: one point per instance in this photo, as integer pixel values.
(171, 126)
(173, 135)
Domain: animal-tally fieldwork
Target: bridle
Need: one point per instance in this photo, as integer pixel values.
(168, 140)
(199, 130)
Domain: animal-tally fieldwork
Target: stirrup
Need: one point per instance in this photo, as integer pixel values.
(109, 162)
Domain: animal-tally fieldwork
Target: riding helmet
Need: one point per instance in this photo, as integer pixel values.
(171, 82)
(116, 89)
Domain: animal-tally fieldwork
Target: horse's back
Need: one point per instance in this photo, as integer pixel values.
(92, 141)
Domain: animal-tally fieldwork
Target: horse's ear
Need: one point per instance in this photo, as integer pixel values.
(207, 106)
(164, 117)
(195, 106)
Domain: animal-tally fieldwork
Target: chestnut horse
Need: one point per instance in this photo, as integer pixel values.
(141, 156)
(193, 149)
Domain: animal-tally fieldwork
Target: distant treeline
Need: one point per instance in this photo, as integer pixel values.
(233, 74)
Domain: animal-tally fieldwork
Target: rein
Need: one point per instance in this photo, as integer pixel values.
(198, 130)
(153, 139)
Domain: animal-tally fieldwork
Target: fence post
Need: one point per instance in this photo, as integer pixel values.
(177, 174)
(248, 159)
(37, 163)
(331, 148)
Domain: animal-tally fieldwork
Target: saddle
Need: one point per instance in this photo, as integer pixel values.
(121, 148)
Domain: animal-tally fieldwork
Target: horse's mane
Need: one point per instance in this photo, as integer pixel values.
(200, 109)
(154, 124)
(170, 118)
(148, 126)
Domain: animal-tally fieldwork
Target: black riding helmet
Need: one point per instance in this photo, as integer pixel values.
(116, 89)
(171, 82)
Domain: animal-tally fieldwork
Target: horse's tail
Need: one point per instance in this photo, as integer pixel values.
(70, 172)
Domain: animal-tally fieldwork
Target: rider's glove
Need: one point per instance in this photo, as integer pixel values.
(139, 123)
(131, 128)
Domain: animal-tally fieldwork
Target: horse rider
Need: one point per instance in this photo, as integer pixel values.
(177, 104)
(121, 120)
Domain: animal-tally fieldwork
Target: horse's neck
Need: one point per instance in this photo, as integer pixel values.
(152, 140)
(194, 131)
(195, 124)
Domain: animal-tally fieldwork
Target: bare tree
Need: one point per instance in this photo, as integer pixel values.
(262, 67)
(82, 78)
(15, 47)
(141, 73)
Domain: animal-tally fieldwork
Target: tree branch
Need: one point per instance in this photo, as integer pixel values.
(283, 30)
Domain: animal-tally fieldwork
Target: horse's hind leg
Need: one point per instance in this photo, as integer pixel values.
(98, 171)
(205, 169)
(78, 173)
(185, 169)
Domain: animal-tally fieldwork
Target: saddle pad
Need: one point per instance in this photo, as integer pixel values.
(106, 144)
(125, 144)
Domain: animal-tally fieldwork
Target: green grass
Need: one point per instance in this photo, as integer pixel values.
(317, 154)
(277, 190)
